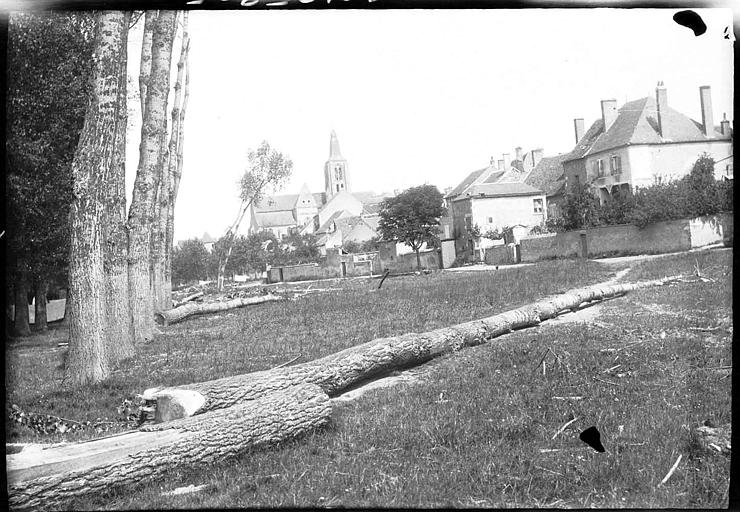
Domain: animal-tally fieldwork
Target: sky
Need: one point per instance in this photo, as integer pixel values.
(415, 96)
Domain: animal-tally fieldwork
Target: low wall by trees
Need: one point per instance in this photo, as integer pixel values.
(430, 260)
(335, 265)
(660, 237)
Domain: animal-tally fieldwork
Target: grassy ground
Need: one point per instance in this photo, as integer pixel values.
(479, 430)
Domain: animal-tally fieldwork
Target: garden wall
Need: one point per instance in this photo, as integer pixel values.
(661, 237)
(335, 265)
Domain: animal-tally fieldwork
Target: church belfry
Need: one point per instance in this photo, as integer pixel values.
(335, 170)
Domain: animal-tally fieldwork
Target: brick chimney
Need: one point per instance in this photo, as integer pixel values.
(507, 161)
(707, 119)
(518, 153)
(608, 112)
(661, 102)
(537, 156)
(579, 127)
(725, 124)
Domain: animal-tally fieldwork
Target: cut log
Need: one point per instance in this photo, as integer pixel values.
(187, 299)
(338, 372)
(51, 478)
(172, 316)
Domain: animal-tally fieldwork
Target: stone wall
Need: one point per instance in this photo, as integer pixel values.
(430, 260)
(335, 265)
(661, 237)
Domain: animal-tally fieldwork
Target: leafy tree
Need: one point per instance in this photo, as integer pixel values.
(702, 192)
(580, 210)
(617, 210)
(49, 63)
(190, 261)
(412, 217)
(268, 169)
(299, 249)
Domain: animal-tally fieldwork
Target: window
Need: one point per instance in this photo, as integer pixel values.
(338, 172)
(490, 220)
(468, 222)
(337, 187)
(599, 168)
(616, 166)
(537, 205)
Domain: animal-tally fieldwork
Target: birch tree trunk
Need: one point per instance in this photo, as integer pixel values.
(141, 210)
(87, 359)
(119, 334)
(40, 289)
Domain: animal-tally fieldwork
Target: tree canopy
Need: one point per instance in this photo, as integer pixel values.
(412, 217)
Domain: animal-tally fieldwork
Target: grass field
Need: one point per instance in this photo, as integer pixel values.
(477, 430)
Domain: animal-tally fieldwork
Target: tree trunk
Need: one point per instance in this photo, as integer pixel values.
(40, 290)
(176, 169)
(85, 468)
(337, 372)
(186, 310)
(418, 259)
(145, 64)
(120, 328)
(141, 210)
(229, 244)
(87, 359)
(21, 326)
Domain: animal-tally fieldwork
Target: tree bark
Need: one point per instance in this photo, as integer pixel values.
(21, 325)
(337, 372)
(85, 468)
(176, 169)
(40, 290)
(87, 359)
(119, 328)
(418, 259)
(145, 64)
(140, 219)
(229, 245)
(180, 313)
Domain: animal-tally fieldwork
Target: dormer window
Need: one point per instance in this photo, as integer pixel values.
(599, 168)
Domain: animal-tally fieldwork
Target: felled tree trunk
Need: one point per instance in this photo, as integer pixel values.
(179, 314)
(51, 479)
(338, 372)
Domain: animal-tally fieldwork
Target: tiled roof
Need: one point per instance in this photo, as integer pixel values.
(372, 222)
(500, 190)
(274, 219)
(368, 198)
(547, 175)
(285, 202)
(637, 123)
(493, 178)
(370, 209)
(347, 224)
(470, 178)
(334, 216)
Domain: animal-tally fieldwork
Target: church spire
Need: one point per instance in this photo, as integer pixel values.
(334, 153)
(335, 170)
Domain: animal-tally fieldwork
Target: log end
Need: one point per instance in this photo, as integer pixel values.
(160, 319)
(174, 404)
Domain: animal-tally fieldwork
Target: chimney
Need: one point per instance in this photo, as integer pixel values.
(725, 125)
(579, 127)
(518, 153)
(500, 164)
(608, 112)
(507, 161)
(707, 120)
(661, 102)
(537, 156)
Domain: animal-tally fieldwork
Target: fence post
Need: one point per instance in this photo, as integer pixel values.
(584, 245)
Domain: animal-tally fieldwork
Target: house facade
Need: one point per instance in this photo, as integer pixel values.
(494, 198)
(646, 142)
(319, 213)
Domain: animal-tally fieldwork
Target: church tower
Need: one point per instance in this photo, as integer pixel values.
(335, 170)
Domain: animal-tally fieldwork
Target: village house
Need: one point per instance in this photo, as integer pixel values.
(646, 142)
(494, 198)
(335, 215)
